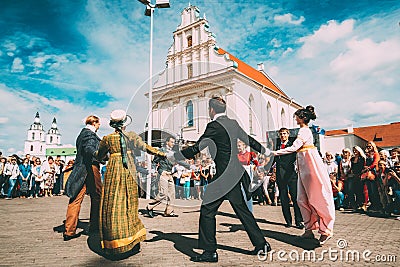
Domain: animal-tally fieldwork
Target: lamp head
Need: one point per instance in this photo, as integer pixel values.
(162, 4)
(144, 2)
(147, 12)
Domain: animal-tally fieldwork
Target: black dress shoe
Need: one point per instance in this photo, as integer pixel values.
(69, 237)
(206, 257)
(263, 250)
(288, 225)
(300, 225)
(150, 212)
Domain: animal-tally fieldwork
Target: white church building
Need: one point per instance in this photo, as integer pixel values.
(198, 69)
(41, 144)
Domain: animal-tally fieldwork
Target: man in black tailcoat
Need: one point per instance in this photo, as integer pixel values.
(286, 178)
(221, 137)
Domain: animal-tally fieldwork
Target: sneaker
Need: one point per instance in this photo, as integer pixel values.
(29, 197)
(341, 209)
(8, 198)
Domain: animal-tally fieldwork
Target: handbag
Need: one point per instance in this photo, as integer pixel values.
(24, 187)
(369, 175)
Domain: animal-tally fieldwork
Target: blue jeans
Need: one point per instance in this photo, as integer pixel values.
(11, 184)
(397, 200)
(249, 203)
(339, 200)
(373, 195)
(186, 189)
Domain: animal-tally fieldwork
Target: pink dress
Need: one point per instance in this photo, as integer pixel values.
(314, 190)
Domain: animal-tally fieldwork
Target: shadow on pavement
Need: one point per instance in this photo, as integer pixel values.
(257, 220)
(186, 244)
(84, 225)
(94, 245)
(294, 240)
(145, 213)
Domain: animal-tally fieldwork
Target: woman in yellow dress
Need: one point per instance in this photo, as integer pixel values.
(121, 230)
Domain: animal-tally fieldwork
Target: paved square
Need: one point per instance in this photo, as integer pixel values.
(30, 235)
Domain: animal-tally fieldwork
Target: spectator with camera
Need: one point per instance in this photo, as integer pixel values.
(369, 174)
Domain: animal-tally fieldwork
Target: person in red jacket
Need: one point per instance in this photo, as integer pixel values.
(249, 161)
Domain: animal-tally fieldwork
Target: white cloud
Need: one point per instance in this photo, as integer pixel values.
(366, 56)
(42, 62)
(272, 53)
(352, 80)
(289, 18)
(3, 119)
(273, 70)
(378, 108)
(17, 65)
(275, 42)
(289, 50)
(326, 34)
(10, 46)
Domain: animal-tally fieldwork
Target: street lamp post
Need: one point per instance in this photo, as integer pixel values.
(149, 12)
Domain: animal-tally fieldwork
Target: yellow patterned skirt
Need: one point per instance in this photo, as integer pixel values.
(120, 226)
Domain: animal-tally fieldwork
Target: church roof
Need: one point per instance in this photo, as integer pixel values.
(387, 135)
(61, 151)
(254, 74)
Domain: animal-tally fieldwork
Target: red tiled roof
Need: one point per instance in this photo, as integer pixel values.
(387, 135)
(253, 73)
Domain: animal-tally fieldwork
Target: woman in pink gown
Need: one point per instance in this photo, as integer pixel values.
(314, 191)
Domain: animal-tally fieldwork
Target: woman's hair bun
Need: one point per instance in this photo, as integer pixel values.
(311, 111)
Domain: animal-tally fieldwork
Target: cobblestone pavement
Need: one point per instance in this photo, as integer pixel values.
(31, 235)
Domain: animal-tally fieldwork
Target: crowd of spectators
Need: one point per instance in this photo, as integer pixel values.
(366, 180)
(363, 180)
(30, 177)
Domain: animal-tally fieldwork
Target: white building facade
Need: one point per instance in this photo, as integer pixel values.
(38, 141)
(197, 69)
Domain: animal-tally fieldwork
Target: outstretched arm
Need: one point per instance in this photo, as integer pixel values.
(137, 142)
(248, 140)
(191, 151)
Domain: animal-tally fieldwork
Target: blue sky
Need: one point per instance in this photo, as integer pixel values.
(69, 59)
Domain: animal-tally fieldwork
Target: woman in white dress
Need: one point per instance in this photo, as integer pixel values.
(314, 193)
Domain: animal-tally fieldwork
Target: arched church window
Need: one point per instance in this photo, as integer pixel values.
(269, 118)
(31, 148)
(33, 136)
(190, 71)
(51, 139)
(251, 115)
(189, 41)
(283, 118)
(189, 113)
